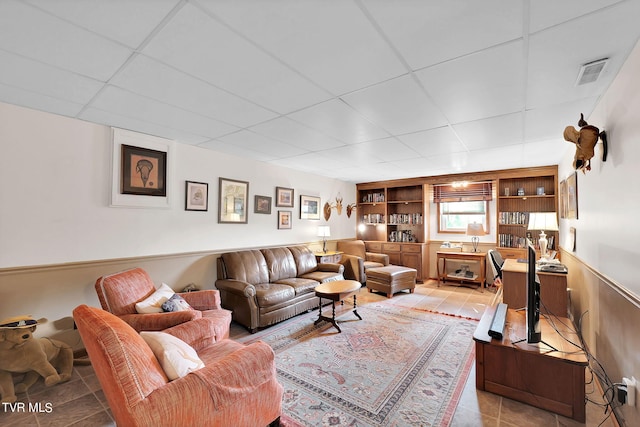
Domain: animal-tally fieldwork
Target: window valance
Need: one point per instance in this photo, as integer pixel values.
(462, 192)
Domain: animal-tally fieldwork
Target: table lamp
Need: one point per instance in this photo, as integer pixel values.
(543, 221)
(324, 231)
(474, 230)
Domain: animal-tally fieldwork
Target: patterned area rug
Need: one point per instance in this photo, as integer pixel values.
(396, 367)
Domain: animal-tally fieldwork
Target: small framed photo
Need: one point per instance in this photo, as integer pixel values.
(284, 197)
(284, 220)
(144, 171)
(196, 196)
(262, 204)
(540, 191)
(309, 207)
(233, 203)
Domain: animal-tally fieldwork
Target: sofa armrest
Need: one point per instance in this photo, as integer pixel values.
(236, 287)
(331, 267)
(353, 267)
(197, 333)
(376, 257)
(159, 321)
(207, 299)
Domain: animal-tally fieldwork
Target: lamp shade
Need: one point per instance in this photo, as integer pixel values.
(475, 229)
(545, 221)
(324, 231)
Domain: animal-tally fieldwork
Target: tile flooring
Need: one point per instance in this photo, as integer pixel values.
(80, 402)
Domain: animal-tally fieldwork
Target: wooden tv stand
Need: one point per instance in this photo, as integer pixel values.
(532, 373)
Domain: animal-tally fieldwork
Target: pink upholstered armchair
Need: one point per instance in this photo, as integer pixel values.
(119, 292)
(236, 387)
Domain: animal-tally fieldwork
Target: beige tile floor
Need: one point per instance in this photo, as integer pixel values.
(80, 402)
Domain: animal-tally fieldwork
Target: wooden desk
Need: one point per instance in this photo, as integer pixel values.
(553, 288)
(532, 373)
(480, 257)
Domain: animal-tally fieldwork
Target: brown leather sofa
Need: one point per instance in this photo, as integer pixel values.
(265, 286)
(357, 260)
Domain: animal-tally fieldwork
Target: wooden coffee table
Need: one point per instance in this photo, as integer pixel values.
(335, 291)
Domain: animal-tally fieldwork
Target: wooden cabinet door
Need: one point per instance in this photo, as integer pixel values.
(413, 260)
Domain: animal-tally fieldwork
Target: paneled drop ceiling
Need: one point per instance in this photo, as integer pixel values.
(358, 90)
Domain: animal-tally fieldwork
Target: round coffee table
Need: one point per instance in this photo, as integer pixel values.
(336, 290)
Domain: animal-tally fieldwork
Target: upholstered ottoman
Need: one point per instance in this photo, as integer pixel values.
(391, 279)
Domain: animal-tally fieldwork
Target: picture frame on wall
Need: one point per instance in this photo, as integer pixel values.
(563, 198)
(262, 204)
(144, 171)
(284, 220)
(196, 196)
(572, 196)
(233, 196)
(284, 197)
(309, 207)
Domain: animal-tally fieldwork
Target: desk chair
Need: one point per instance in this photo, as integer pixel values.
(496, 261)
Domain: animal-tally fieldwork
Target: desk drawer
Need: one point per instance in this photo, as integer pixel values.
(512, 253)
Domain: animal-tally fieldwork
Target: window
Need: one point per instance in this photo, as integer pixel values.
(460, 204)
(453, 217)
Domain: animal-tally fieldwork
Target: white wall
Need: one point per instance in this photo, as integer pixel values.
(607, 232)
(55, 192)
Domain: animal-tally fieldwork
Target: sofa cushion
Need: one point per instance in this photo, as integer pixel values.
(301, 285)
(280, 263)
(153, 303)
(176, 303)
(305, 259)
(323, 276)
(273, 293)
(247, 266)
(176, 357)
(372, 264)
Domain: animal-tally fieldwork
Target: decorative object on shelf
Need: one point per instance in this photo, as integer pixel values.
(284, 197)
(324, 231)
(540, 191)
(572, 196)
(543, 221)
(474, 230)
(309, 207)
(585, 139)
(350, 208)
(507, 191)
(233, 201)
(262, 204)
(284, 220)
(520, 191)
(196, 196)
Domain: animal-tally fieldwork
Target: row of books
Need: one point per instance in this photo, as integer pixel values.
(412, 218)
(373, 198)
(513, 218)
(373, 218)
(513, 241)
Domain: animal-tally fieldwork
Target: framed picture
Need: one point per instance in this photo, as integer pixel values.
(233, 201)
(572, 239)
(284, 220)
(309, 207)
(572, 196)
(563, 198)
(141, 170)
(262, 204)
(284, 197)
(196, 196)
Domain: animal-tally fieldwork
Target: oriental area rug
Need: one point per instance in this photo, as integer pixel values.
(395, 367)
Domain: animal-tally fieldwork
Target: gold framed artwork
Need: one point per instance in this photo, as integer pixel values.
(563, 198)
(284, 220)
(284, 197)
(233, 201)
(309, 207)
(196, 196)
(572, 196)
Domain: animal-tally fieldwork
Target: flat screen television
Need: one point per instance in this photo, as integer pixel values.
(533, 298)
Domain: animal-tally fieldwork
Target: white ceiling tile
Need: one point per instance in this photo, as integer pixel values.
(153, 79)
(34, 76)
(388, 149)
(484, 84)
(340, 121)
(549, 122)
(310, 162)
(257, 142)
(323, 43)
(38, 101)
(236, 150)
(492, 132)
(128, 22)
(434, 141)
(398, 106)
(294, 133)
(430, 32)
(547, 13)
(119, 101)
(196, 43)
(72, 48)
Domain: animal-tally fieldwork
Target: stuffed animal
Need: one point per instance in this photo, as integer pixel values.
(20, 352)
(585, 140)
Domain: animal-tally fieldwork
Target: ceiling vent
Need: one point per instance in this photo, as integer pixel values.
(590, 71)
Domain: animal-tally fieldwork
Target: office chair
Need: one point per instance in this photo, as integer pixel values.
(496, 262)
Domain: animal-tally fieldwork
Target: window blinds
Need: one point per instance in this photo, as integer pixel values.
(471, 192)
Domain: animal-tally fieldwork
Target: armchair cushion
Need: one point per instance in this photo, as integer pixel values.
(153, 303)
(176, 357)
(176, 303)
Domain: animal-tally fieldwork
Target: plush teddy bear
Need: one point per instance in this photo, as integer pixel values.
(21, 353)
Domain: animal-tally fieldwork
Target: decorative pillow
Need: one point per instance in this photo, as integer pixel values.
(176, 303)
(176, 357)
(153, 303)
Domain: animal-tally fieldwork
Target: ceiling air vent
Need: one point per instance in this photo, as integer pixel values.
(590, 71)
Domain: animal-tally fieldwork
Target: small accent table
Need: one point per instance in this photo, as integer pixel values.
(335, 291)
(462, 256)
(328, 257)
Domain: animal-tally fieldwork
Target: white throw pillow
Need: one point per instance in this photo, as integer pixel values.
(153, 303)
(176, 357)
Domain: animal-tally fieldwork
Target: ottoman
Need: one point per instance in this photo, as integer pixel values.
(391, 279)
